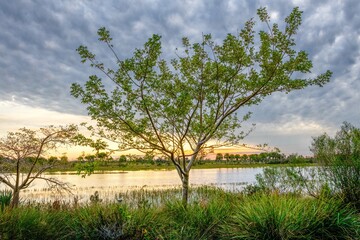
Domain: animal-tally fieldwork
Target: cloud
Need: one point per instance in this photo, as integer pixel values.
(291, 133)
(38, 60)
(14, 116)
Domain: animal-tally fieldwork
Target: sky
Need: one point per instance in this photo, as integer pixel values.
(38, 60)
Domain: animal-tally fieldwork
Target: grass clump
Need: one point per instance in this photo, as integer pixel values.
(110, 222)
(276, 216)
(199, 220)
(31, 222)
(5, 198)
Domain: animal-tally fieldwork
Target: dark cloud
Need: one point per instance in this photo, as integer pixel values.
(38, 41)
(330, 34)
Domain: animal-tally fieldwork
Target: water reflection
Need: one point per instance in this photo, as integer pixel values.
(110, 183)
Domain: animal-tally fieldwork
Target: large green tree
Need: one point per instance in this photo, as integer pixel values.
(186, 103)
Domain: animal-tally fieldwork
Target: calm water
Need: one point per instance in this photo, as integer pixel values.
(110, 183)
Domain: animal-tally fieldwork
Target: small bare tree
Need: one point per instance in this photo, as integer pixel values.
(23, 157)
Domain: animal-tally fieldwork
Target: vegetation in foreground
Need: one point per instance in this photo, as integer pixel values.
(211, 214)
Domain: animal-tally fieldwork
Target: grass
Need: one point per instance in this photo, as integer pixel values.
(211, 214)
(289, 217)
(5, 198)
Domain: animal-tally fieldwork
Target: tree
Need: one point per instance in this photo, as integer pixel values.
(171, 107)
(339, 160)
(22, 153)
(254, 158)
(271, 157)
(219, 157)
(87, 163)
(202, 154)
(149, 157)
(122, 159)
(296, 158)
(244, 158)
(227, 157)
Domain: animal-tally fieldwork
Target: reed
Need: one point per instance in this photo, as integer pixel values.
(5, 198)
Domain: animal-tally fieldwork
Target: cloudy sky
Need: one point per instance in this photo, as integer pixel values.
(38, 60)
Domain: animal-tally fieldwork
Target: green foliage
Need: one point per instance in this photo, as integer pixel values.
(336, 176)
(99, 222)
(219, 157)
(199, 220)
(53, 159)
(295, 158)
(86, 167)
(5, 198)
(281, 180)
(34, 223)
(64, 159)
(88, 163)
(271, 157)
(122, 159)
(211, 214)
(154, 104)
(340, 162)
(287, 217)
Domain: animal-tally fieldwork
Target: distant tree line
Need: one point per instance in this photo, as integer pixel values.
(264, 157)
(274, 157)
(106, 159)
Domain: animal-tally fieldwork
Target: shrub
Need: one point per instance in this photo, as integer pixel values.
(339, 158)
(289, 217)
(280, 180)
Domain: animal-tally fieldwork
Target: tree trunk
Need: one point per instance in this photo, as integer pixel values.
(185, 188)
(15, 198)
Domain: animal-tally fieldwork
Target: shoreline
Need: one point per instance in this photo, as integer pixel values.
(149, 167)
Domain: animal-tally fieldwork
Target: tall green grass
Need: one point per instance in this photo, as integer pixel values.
(211, 214)
(112, 222)
(33, 223)
(199, 220)
(5, 198)
(288, 217)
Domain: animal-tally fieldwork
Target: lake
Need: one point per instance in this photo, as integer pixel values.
(112, 182)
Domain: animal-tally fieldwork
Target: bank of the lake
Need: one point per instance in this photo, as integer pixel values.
(135, 166)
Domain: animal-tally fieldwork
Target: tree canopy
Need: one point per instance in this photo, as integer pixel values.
(191, 101)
